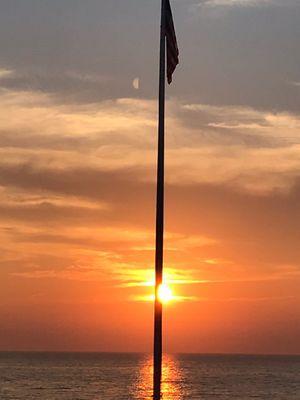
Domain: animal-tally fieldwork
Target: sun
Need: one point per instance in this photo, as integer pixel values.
(165, 293)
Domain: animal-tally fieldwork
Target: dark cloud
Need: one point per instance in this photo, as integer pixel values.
(83, 182)
(251, 229)
(70, 87)
(119, 189)
(31, 140)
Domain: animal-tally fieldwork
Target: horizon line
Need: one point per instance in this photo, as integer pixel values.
(149, 353)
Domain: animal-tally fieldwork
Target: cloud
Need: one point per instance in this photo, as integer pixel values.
(206, 144)
(240, 3)
(78, 181)
(5, 73)
(297, 84)
(216, 9)
(230, 3)
(78, 168)
(67, 86)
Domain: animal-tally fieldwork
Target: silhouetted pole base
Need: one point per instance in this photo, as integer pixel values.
(157, 391)
(157, 351)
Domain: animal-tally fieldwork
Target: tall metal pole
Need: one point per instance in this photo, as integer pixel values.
(160, 212)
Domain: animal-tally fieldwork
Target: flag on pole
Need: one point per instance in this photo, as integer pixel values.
(167, 42)
(172, 48)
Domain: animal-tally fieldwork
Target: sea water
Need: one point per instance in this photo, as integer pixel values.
(112, 376)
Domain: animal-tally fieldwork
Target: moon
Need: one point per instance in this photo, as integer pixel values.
(136, 83)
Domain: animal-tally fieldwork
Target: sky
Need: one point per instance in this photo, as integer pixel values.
(78, 141)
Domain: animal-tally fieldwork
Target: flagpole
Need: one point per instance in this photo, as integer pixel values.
(157, 372)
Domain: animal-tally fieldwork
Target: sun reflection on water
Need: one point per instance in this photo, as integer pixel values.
(172, 380)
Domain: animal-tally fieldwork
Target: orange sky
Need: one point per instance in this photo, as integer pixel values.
(77, 180)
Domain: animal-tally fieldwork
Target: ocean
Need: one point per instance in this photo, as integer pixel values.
(111, 376)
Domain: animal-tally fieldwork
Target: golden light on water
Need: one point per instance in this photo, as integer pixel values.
(172, 386)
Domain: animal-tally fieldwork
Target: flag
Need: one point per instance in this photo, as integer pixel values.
(172, 48)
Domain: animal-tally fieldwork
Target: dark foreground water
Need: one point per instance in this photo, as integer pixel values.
(73, 376)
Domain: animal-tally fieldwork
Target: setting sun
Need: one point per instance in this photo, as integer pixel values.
(164, 293)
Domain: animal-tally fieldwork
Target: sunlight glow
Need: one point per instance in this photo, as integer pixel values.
(165, 293)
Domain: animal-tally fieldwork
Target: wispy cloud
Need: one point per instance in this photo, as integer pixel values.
(239, 3)
(295, 83)
(6, 73)
(245, 299)
(216, 9)
(175, 298)
(208, 144)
